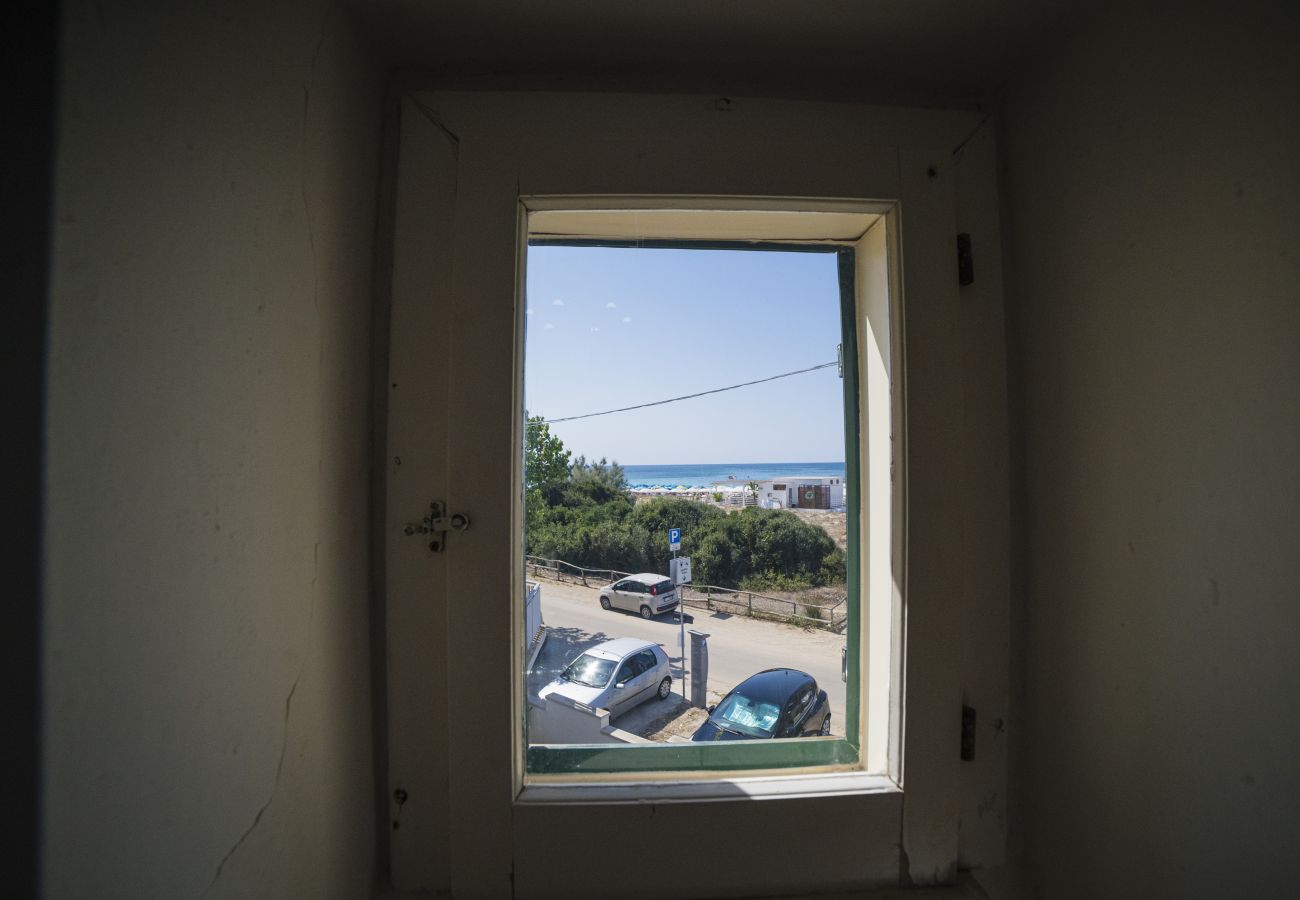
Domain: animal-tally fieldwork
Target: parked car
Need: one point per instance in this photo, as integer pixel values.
(647, 593)
(616, 675)
(775, 703)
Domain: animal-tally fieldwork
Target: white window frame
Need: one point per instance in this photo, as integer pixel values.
(464, 162)
(860, 759)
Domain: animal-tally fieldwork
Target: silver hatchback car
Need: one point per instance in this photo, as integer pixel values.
(648, 594)
(616, 675)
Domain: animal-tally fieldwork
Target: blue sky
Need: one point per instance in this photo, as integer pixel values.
(612, 327)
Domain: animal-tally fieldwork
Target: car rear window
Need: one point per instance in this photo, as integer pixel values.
(663, 587)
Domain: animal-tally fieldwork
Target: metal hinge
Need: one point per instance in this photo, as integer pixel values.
(965, 261)
(967, 733)
(436, 523)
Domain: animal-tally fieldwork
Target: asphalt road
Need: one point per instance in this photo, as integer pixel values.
(738, 647)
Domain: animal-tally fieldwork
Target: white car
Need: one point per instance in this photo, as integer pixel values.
(648, 594)
(616, 676)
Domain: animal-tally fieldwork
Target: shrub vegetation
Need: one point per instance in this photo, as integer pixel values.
(580, 512)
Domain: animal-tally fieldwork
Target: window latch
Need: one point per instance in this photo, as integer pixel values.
(437, 523)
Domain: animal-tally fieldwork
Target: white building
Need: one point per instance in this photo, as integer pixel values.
(815, 492)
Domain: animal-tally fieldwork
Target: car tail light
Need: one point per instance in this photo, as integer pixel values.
(654, 591)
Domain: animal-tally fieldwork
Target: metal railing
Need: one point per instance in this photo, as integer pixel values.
(706, 596)
(755, 605)
(561, 571)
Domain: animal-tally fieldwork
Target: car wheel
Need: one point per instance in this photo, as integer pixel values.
(826, 725)
(665, 688)
(604, 603)
(645, 613)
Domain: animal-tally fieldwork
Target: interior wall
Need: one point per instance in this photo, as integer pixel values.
(1153, 194)
(206, 662)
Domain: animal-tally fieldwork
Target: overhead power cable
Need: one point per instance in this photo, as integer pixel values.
(730, 387)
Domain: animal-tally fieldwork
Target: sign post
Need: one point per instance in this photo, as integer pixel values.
(679, 569)
(675, 544)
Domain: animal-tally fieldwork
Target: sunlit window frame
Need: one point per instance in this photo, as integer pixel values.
(557, 765)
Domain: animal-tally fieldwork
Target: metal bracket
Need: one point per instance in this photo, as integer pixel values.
(967, 733)
(436, 523)
(965, 261)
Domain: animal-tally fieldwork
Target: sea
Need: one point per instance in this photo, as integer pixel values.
(703, 475)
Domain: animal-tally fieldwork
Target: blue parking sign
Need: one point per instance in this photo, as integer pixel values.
(674, 539)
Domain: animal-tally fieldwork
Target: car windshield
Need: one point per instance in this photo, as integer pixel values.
(752, 717)
(589, 670)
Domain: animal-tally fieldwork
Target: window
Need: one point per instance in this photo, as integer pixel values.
(645, 661)
(799, 705)
(852, 238)
(454, 401)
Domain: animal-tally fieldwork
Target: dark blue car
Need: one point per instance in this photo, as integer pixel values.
(775, 703)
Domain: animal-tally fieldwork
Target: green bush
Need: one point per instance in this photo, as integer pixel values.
(663, 513)
(589, 519)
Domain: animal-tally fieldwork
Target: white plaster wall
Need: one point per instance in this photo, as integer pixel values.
(207, 711)
(1152, 168)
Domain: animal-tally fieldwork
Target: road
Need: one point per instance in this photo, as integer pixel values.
(738, 646)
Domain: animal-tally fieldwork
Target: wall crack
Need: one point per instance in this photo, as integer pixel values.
(284, 742)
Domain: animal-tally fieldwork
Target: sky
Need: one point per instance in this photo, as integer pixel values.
(613, 327)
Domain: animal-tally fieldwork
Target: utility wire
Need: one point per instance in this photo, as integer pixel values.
(731, 387)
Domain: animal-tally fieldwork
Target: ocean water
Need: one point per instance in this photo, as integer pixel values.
(703, 476)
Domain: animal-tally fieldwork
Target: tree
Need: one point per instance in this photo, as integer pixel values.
(661, 513)
(546, 466)
(598, 482)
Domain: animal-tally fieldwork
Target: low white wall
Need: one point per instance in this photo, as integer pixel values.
(559, 720)
(533, 614)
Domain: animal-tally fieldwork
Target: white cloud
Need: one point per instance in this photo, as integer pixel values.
(557, 302)
(627, 318)
(595, 329)
(611, 305)
(549, 326)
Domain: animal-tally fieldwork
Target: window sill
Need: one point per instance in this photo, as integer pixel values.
(710, 788)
